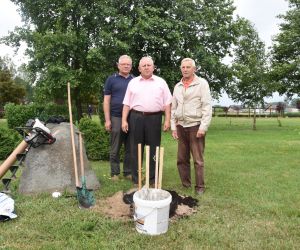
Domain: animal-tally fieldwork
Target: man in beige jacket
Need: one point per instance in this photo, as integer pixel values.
(190, 118)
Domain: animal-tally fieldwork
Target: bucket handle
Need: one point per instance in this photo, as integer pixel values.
(135, 218)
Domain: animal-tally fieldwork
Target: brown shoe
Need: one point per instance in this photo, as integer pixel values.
(115, 178)
(200, 191)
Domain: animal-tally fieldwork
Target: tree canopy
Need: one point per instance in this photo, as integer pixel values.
(250, 83)
(80, 41)
(286, 52)
(10, 91)
(173, 29)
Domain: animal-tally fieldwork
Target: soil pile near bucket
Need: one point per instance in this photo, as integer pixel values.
(120, 206)
(114, 207)
(180, 205)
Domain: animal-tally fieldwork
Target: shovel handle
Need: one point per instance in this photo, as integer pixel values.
(81, 154)
(72, 136)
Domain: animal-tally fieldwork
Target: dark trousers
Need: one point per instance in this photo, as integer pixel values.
(144, 129)
(189, 144)
(117, 138)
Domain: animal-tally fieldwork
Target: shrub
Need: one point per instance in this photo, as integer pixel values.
(292, 114)
(18, 115)
(9, 139)
(245, 115)
(96, 139)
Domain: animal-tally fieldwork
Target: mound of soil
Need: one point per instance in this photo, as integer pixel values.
(121, 205)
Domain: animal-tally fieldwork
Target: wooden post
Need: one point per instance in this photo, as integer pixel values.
(147, 165)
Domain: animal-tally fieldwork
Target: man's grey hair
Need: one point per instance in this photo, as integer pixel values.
(124, 57)
(189, 60)
(147, 57)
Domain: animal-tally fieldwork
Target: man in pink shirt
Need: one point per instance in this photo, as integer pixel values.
(146, 98)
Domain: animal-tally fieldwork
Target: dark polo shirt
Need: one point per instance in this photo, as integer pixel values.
(116, 86)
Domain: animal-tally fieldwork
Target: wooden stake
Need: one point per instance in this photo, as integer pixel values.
(161, 163)
(156, 166)
(140, 165)
(147, 165)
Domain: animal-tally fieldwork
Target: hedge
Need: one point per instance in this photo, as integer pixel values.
(245, 115)
(95, 137)
(18, 115)
(9, 140)
(96, 140)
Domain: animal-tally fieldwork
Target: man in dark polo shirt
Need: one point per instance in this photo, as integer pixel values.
(114, 92)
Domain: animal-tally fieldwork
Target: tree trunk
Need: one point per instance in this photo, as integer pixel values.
(254, 119)
(278, 120)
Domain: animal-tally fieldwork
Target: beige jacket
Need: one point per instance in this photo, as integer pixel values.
(191, 106)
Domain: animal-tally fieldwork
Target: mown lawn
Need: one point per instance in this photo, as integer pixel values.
(252, 199)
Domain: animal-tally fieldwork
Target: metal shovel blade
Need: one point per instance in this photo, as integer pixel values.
(85, 196)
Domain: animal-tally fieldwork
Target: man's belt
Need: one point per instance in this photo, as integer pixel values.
(146, 113)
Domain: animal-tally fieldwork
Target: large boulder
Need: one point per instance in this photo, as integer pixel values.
(50, 168)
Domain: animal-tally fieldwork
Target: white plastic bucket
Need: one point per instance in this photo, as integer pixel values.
(152, 208)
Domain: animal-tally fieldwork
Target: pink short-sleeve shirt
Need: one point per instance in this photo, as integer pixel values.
(147, 95)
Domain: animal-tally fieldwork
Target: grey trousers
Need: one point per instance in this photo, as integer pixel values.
(189, 144)
(117, 138)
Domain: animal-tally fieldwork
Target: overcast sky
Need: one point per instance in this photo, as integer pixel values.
(262, 13)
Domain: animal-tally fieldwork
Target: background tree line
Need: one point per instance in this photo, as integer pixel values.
(80, 42)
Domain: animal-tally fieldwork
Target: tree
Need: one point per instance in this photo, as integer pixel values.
(80, 41)
(9, 90)
(173, 29)
(64, 44)
(22, 78)
(286, 52)
(250, 83)
(295, 103)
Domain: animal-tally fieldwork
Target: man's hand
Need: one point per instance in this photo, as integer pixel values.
(166, 125)
(200, 133)
(125, 126)
(174, 134)
(107, 125)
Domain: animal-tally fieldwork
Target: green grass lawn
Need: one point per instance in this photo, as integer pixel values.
(252, 199)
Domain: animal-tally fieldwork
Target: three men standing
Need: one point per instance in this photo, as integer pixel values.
(114, 91)
(190, 117)
(137, 105)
